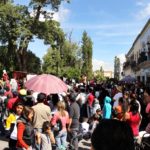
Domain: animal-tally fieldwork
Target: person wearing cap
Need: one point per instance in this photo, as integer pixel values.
(22, 95)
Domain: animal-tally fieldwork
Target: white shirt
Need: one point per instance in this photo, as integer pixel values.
(14, 132)
(82, 97)
(85, 127)
(116, 98)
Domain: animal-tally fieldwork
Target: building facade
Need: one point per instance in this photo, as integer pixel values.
(138, 58)
(108, 74)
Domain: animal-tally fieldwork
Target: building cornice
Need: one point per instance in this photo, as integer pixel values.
(139, 35)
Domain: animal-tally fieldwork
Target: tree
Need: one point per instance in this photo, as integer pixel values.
(64, 62)
(33, 63)
(87, 51)
(99, 74)
(117, 66)
(18, 28)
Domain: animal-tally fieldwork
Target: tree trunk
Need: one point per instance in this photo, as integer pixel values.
(23, 46)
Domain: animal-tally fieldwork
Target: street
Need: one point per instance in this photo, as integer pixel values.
(83, 145)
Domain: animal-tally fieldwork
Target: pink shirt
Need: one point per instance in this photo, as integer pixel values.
(148, 108)
(134, 123)
(64, 119)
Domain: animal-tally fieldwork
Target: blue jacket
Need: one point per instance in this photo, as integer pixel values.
(107, 109)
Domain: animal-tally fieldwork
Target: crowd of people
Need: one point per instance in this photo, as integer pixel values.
(38, 121)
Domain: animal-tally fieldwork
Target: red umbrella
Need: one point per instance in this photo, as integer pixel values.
(47, 84)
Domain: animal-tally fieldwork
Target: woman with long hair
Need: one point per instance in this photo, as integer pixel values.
(62, 116)
(133, 118)
(25, 132)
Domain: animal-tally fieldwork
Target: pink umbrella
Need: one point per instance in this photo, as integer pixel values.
(47, 84)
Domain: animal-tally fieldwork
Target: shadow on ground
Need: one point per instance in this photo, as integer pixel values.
(86, 144)
(80, 148)
(3, 138)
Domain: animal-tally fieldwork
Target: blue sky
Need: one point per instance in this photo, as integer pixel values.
(112, 25)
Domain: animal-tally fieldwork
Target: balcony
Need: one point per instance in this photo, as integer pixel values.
(126, 64)
(145, 64)
(131, 64)
(142, 57)
(144, 60)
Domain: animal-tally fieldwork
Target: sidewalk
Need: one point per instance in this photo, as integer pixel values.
(83, 145)
(3, 143)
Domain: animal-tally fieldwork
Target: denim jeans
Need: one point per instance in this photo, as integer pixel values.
(37, 146)
(73, 138)
(61, 139)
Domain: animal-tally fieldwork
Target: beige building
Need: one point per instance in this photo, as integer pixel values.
(138, 58)
(108, 74)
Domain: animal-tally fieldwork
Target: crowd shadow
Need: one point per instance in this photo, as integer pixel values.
(81, 148)
(86, 144)
(3, 138)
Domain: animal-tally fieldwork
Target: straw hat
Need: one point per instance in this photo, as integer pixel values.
(119, 88)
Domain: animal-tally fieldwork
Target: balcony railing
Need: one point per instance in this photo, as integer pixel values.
(142, 62)
(126, 64)
(142, 57)
(131, 64)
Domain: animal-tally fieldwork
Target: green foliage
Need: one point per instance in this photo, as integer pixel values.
(53, 3)
(72, 73)
(51, 32)
(33, 63)
(99, 74)
(63, 62)
(18, 27)
(51, 61)
(117, 66)
(87, 51)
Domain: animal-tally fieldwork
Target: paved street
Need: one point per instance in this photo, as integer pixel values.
(83, 145)
(3, 143)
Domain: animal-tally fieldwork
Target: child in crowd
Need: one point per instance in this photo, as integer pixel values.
(25, 131)
(98, 114)
(46, 138)
(94, 120)
(118, 109)
(11, 128)
(107, 109)
(85, 125)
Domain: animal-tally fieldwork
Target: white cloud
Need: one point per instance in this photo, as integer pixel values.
(107, 66)
(60, 16)
(100, 26)
(117, 34)
(140, 3)
(144, 13)
(122, 58)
